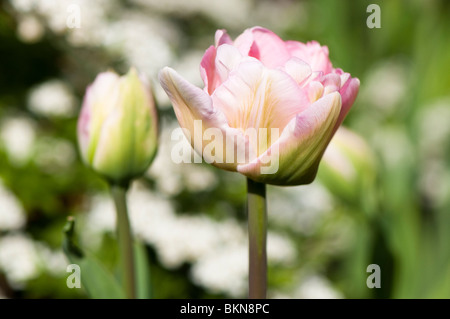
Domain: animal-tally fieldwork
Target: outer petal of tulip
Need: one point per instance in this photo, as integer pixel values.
(207, 70)
(297, 153)
(348, 91)
(94, 112)
(222, 37)
(192, 105)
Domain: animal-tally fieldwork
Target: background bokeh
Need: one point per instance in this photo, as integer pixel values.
(383, 192)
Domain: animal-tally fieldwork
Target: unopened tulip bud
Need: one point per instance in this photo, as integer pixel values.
(348, 166)
(118, 126)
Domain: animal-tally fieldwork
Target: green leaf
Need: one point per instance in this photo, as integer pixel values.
(142, 271)
(95, 278)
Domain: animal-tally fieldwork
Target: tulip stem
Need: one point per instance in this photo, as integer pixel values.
(125, 240)
(257, 229)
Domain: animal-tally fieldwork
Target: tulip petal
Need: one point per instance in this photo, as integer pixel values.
(208, 70)
(257, 97)
(264, 45)
(331, 83)
(315, 91)
(93, 115)
(294, 158)
(348, 92)
(298, 70)
(221, 37)
(228, 58)
(312, 53)
(191, 104)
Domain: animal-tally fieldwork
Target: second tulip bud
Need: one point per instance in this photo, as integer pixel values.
(118, 126)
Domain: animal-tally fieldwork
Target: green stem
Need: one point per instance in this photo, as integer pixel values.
(125, 239)
(257, 229)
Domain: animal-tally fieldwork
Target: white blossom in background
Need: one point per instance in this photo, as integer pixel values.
(17, 136)
(188, 66)
(101, 218)
(52, 98)
(12, 215)
(230, 13)
(316, 287)
(216, 249)
(299, 208)
(171, 177)
(53, 262)
(389, 77)
(56, 14)
(399, 151)
(280, 248)
(282, 14)
(177, 238)
(312, 287)
(143, 41)
(30, 29)
(434, 131)
(434, 141)
(22, 259)
(18, 259)
(225, 270)
(94, 21)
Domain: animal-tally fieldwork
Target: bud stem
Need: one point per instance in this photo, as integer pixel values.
(257, 229)
(125, 240)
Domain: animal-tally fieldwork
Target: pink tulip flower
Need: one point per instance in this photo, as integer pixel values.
(287, 89)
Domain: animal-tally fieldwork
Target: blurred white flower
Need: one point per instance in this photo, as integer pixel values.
(434, 138)
(398, 150)
(225, 270)
(282, 14)
(312, 287)
(199, 178)
(54, 262)
(100, 218)
(316, 287)
(171, 177)
(435, 182)
(18, 259)
(385, 85)
(229, 13)
(52, 98)
(143, 41)
(18, 135)
(93, 21)
(177, 239)
(280, 248)
(23, 5)
(12, 215)
(30, 29)
(299, 208)
(434, 131)
(217, 249)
